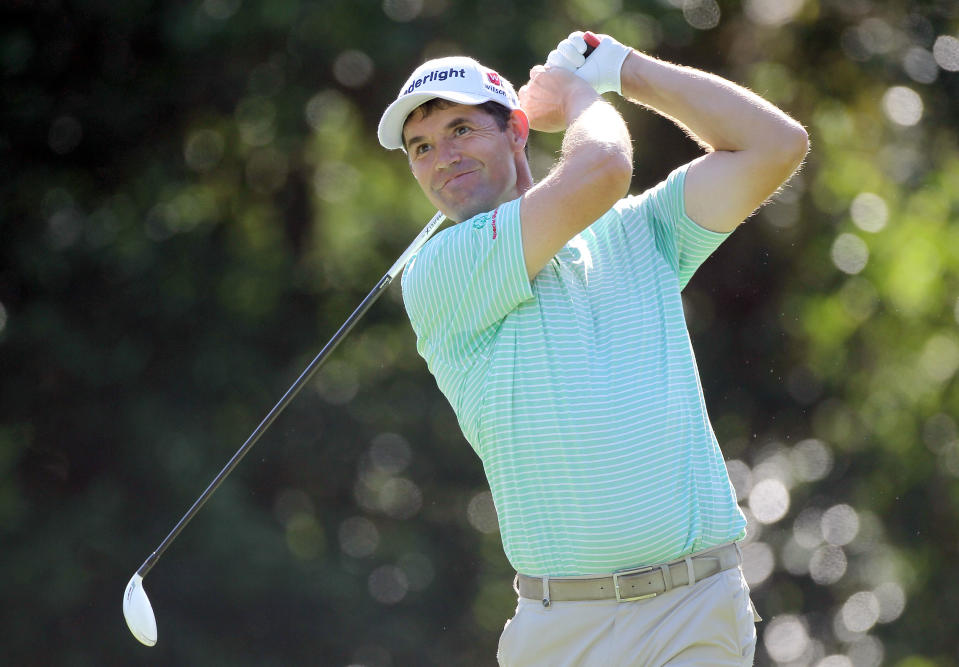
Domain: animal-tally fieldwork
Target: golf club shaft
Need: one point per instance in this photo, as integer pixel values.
(304, 378)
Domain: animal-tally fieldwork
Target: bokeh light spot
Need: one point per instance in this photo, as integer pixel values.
(827, 565)
(892, 601)
(359, 537)
(769, 500)
(860, 612)
(946, 53)
(786, 638)
(701, 14)
(867, 651)
(64, 228)
(203, 150)
(353, 68)
(387, 584)
(304, 536)
(920, 65)
(402, 11)
(336, 182)
(876, 36)
(327, 108)
(758, 562)
(940, 357)
(849, 253)
(774, 463)
(835, 661)
(869, 212)
(772, 12)
(902, 106)
(481, 513)
(741, 477)
(400, 498)
(840, 524)
(795, 558)
(859, 298)
(338, 383)
(807, 528)
(391, 453)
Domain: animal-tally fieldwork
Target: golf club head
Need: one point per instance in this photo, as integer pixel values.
(139, 613)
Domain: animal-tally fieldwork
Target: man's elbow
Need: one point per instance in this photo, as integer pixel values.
(781, 154)
(793, 146)
(614, 172)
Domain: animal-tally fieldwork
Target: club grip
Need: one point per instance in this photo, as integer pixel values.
(592, 41)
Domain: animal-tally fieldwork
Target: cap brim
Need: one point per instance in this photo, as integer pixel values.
(390, 130)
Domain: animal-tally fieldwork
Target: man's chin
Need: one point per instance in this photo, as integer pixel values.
(465, 213)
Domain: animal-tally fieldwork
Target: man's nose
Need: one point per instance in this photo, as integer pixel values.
(447, 154)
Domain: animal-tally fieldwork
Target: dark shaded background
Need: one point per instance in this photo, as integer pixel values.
(193, 200)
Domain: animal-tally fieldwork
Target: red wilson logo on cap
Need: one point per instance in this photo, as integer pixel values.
(494, 78)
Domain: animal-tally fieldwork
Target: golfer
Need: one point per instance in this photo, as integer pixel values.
(551, 319)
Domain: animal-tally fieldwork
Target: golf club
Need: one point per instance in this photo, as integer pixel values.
(137, 609)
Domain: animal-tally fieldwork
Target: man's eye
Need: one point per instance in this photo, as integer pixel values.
(461, 130)
(421, 148)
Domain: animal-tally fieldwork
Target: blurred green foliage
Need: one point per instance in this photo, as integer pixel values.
(193, 200)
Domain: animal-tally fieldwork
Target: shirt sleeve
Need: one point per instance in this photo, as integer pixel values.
(460, 286)
(684, 244)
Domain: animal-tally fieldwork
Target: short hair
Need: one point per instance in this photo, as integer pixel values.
(501, 114)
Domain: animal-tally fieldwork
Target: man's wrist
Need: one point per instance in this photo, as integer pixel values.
(577, 100)
(634, 83)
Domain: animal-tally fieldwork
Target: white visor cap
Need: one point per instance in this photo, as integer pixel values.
(457, 79)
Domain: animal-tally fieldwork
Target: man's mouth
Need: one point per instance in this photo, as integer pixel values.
(453, 179)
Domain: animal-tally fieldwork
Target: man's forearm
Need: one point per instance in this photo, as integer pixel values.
(717, 112)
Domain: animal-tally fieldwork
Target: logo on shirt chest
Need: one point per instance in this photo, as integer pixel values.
(486, 219)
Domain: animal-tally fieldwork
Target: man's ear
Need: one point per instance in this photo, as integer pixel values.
(519, 124)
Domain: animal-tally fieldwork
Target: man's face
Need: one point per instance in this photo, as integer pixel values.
(463, 161)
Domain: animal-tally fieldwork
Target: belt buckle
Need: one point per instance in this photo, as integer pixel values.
(621, 573)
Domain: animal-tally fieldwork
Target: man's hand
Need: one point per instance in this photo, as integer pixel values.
(553, 98)
(601, 70)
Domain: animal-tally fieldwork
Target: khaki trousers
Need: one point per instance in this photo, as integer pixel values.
(710, 623)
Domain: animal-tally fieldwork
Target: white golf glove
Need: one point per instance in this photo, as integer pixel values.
(601, 70)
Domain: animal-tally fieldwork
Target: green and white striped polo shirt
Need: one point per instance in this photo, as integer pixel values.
(580, 392)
